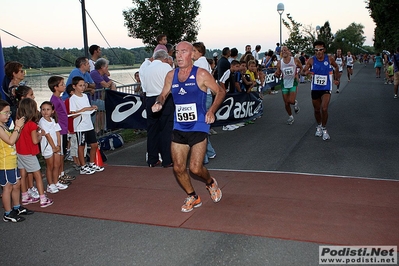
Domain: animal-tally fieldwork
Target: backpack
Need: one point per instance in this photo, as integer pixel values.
(111, 142)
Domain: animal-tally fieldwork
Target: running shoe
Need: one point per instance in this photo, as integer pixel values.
(63, 181)
(212, 132)
(337, 91)
(155, 164)
(61, 186)
(214, 191)
(13, 217)
(86, 170)
(395, 96)
(32, 192)
(67, 177)
(228, 128)
(96, 168)
(290, 120)
(30, 200)
(45, 203)
(325, 134)
(319, 132)
(190, 203)
(23, 211)
(296, 107)
(212, 156)
(52, 189)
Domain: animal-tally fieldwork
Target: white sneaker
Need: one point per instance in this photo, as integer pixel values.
(325, 134)
(61, 186)
(296, 107)
(86, 170)
(33, 193)
(319, 132)
(96, 168)
(290, 120)
(212, 131)
(228, 128)
(52, 189)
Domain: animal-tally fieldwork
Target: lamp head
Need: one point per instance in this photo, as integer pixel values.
(280, 8)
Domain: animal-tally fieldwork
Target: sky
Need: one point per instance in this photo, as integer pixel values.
(58, 24)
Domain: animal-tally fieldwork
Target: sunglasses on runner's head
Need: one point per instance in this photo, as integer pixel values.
(318, 50)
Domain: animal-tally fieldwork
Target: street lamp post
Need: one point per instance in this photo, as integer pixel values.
(280, 10)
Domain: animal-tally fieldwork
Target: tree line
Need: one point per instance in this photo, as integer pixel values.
(178, 20)
(36, 57)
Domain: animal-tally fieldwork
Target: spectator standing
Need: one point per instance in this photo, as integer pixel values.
(100, 77)
(9, 174)
(27, 150)
(378, 65)
(396, 73)
(95, 52)
(83, 126)
(223, 63)
(302, 59)
(255, 52)
(200, 61)
(277, 51)
(15, 74)
(50, 144)
(159, 124)
(82, 69)
(57, 87)
(233, 54)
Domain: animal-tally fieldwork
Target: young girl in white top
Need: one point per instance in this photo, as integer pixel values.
(51, 146)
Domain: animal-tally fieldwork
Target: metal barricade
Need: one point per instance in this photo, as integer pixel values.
(99, 119)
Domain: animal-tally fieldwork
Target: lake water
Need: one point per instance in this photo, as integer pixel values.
(42, 92)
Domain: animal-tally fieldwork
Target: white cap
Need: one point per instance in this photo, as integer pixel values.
(215, 54)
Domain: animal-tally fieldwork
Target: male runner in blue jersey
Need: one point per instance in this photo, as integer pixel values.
(320, 66)
(188, 85)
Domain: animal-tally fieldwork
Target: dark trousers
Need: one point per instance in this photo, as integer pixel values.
(159, 131)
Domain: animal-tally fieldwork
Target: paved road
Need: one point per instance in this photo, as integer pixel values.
(364, 128)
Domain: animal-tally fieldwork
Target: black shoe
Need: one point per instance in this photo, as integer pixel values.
(23, 211)
(13, 217)
(155, 164)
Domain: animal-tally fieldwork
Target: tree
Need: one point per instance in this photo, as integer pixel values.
(297, 41)
(326, 36)
(385, 15)
(175, 18)
(350, 39)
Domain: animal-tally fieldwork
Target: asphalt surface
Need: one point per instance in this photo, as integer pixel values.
(363, 125)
